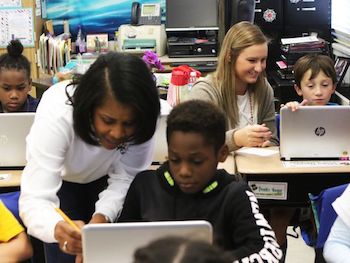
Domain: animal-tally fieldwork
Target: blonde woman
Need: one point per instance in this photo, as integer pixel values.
(239, 87)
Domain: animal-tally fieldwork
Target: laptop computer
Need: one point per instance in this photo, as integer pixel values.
(14, 128)
(161, 145)
(315, 132)
(117, 242)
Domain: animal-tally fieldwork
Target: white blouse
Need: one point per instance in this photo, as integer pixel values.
(56, 153)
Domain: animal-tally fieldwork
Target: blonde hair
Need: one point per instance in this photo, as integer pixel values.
(240, 36)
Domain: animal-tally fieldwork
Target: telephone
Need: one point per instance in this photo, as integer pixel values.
(145, 14)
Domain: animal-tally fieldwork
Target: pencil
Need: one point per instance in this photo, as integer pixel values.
(67, 219)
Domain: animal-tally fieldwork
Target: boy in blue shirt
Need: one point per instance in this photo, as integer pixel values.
(315, 80)
(189, 187)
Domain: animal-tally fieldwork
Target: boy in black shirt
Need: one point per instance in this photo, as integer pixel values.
(189, 187)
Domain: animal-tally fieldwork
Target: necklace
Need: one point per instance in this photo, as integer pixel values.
(251, 105)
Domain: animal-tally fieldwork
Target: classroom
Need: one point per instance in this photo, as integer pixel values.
(88, 94)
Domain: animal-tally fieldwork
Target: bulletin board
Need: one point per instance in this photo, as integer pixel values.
(12, 3)
(16, 23)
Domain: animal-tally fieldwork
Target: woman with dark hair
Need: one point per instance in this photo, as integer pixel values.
(89, 139)
(15, 81)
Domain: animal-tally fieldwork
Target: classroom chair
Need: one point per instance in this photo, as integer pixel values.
(10, 200)
(324, 216)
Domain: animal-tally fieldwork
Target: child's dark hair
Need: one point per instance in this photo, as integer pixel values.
(14, 59)
(201, 117)
(179, 250)
(128, 79)
(316, 63)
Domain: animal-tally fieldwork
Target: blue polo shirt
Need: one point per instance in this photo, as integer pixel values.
(29, 106)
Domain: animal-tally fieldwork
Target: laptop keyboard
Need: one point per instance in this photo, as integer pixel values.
(316, 164)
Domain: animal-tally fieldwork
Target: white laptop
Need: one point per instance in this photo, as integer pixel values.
(117, 242)
(161, 146)
(315, 132)
(14, 128)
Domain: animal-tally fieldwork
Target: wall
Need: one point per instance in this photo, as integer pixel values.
(95, 16)
(30, 52)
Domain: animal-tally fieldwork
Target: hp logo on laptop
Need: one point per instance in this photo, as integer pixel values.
(320, 131)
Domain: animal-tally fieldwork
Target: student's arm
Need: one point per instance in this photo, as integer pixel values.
(294, 105)
(14, 243)
(337, 246)
(251, 234)
(17, 249)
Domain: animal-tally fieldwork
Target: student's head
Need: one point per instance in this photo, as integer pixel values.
(179, 250)
(315, 78)
(116, 101)
(15, 81)
(196, 143)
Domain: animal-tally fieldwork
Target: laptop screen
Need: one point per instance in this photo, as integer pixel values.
(117, 242)
(14, 128)
(315, 132)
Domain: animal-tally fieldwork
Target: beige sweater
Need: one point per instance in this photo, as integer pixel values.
(204, 90)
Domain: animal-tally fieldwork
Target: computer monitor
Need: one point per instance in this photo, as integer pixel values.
(187, 15)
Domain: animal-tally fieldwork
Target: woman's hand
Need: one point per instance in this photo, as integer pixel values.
(257, 135)
(69, 239)
(96, 219)
(294, 105)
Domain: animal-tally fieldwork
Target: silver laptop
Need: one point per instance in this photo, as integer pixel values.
(315, 132)
(14, 128)
(117, 242)
(161, 146)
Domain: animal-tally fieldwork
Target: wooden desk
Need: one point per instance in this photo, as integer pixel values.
(12, 183)
(275, 184)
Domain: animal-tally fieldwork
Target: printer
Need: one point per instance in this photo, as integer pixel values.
(137, 39)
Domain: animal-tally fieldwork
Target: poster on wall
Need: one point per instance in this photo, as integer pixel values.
(10, 3)
(16, 23)
(93, 16)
